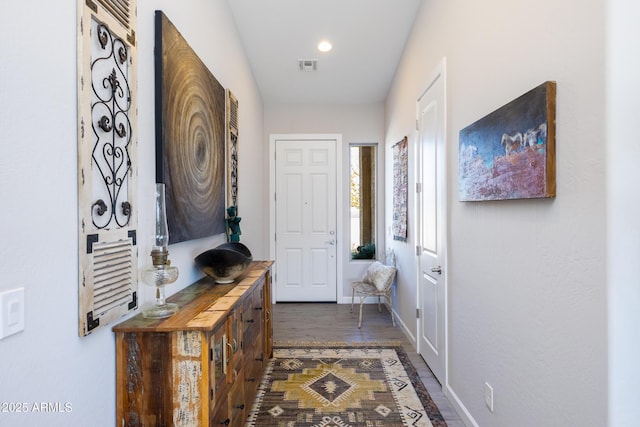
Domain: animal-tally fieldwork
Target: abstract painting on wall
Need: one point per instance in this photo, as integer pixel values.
(190, 137)
(400, 189)
(510, 153)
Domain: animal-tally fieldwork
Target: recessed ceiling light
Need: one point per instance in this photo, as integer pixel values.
(324, 46)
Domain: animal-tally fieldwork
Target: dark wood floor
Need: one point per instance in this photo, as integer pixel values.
(311, 322)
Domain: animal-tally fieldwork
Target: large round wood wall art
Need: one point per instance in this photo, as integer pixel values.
(190, 137)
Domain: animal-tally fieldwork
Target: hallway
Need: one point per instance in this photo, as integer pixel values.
(327, 322)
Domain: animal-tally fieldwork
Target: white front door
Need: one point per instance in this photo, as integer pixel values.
(305, 220)
(431, 231)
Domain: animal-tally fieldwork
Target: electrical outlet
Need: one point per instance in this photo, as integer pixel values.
(488, 396)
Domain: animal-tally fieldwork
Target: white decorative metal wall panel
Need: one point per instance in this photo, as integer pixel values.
(232, 149)
(107, 163)
(110, 131)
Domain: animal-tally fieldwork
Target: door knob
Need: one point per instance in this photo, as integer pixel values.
(437, 269)
(331, 242)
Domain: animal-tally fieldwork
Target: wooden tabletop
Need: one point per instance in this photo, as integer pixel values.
(201, 305)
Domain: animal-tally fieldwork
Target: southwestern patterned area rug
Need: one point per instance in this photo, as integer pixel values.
(343, 387)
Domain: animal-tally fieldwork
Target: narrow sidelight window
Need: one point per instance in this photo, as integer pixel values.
(363, 200)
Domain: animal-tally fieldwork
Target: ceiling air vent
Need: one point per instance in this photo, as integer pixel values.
(307, 64)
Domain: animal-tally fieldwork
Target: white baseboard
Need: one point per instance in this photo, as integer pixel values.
(459, 407)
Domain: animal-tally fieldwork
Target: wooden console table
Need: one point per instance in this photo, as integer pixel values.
(201, 366)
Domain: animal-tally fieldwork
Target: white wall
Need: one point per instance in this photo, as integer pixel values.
(527, 279)
(623, 210)
(356, 123)
(48, 362)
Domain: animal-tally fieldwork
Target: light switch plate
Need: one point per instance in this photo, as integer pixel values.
(488, 396)
(11, 312)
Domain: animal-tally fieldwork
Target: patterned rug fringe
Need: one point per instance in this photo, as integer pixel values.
(283, 344)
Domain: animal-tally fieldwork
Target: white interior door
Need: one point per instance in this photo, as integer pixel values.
(305, 220)
(431, 238)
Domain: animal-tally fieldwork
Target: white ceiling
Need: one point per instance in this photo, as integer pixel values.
(368, 38)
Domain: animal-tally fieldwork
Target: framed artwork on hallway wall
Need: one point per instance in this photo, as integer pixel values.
(510, 153)
(232, 149)
(190, 137)
(400, 189)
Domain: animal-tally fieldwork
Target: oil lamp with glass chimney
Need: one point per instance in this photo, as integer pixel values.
(161, 273)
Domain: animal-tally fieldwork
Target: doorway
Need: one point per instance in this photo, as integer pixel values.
(431, 233)
(304, 211)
